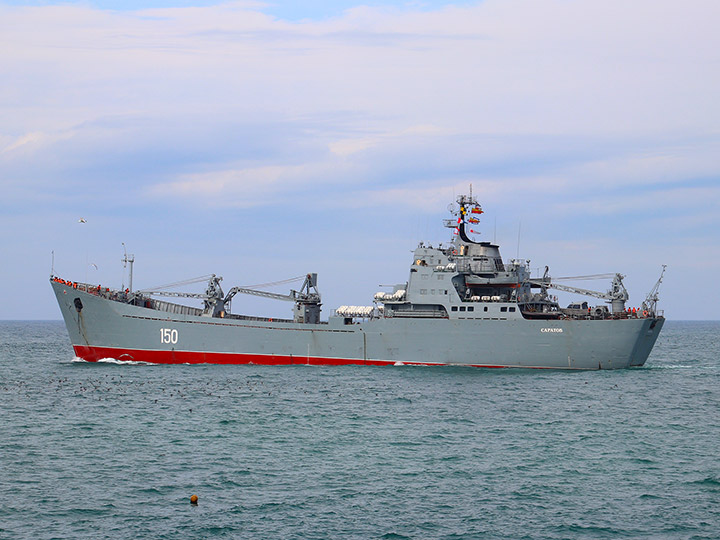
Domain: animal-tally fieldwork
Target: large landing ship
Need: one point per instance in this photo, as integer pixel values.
(462, 305)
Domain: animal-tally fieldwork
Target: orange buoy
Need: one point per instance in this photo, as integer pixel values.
(193, 499)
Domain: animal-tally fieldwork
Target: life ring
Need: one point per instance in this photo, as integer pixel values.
(645, 314)
(454, 251)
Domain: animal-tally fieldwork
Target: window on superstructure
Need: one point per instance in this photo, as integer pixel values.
(503, 309)
(462, 308)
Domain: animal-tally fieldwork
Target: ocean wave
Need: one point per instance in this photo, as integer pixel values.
(111, 361)
(695, 366)
(711, 482)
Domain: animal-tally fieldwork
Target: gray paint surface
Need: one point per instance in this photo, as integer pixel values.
(564, 344)
(462, 305)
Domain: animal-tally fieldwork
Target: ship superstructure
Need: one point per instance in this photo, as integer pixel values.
(461, 305)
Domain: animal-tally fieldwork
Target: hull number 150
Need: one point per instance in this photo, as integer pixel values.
(168, 336)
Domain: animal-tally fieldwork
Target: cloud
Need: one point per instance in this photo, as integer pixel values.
(242, 187)
(588, 121)
(664, 201)
(655, 162)
(19, 142)
(536, 67)
(33, 142)
(346, 147)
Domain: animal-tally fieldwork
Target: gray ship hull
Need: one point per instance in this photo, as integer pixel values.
(103, 328)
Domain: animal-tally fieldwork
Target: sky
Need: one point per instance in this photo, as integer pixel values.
(264, 140)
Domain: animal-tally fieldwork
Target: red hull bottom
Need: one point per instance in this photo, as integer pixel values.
(93, 354)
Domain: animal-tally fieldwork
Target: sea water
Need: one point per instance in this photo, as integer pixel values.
(111, 450)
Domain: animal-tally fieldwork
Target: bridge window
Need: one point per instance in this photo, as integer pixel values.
(504, 308)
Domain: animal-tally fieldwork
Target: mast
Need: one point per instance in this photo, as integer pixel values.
(466, 216)
(125, 260)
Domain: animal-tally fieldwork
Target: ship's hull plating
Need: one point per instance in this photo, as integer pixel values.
(107, 329)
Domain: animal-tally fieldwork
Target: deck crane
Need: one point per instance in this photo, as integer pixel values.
(651, 300)
(307, 299)
(217, 304)
(616, 296)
